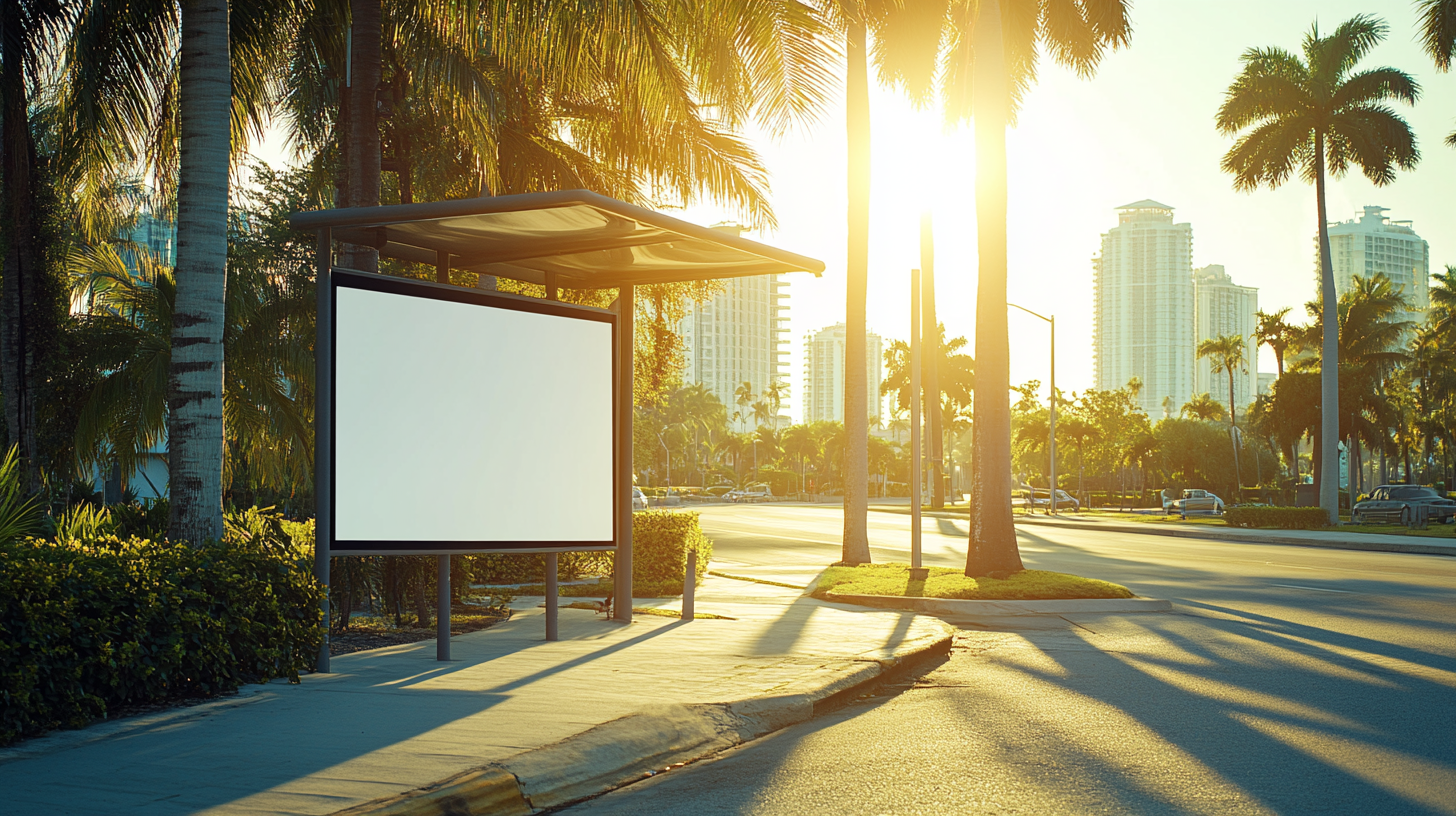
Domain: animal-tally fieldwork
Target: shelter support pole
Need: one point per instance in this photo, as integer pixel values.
(622, 591)
(551, 598)
(442, 266)
(917, 438)
(442, 607)
(323, 470)
(1051, 433)
(690, 586)
(551, 293)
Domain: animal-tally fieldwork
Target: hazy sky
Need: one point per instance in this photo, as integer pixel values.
(1142, 128)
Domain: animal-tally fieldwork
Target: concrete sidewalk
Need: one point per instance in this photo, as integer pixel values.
(1332, 539)
(391, 720)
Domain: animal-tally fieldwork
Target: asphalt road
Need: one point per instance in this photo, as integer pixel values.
(1288, 680)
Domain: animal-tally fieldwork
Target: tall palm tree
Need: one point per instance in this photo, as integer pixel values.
(1442, 313)
(1318, 115)
(1438, 35)
(800, 442)
(29, 313)
(1280, 336)
(989, 62)
(1225, 354)
(775, 394)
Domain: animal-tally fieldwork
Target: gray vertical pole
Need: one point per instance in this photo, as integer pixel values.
(1052, 427)
(442, 604)
(323, 469)
(551, 597)
(442, 266)
(690, 585)
(626, 311)
(916, 436)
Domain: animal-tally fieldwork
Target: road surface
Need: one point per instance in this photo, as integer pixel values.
(1288, 680)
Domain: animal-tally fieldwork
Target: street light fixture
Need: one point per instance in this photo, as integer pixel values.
(1052, 424)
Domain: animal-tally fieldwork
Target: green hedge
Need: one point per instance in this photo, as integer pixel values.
(1279, 518)
(661, 540)
(89, 625)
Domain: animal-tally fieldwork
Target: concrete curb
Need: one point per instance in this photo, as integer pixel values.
(640, 745)
(949, 606)
(1354, 543)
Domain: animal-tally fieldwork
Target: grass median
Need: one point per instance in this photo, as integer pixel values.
(893, 580)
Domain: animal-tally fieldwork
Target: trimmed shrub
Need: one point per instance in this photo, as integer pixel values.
(660, 544)
(87, 626)
(1277, 518)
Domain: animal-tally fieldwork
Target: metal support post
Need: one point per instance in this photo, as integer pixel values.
(690, 585)
(323, 489)
(916, 571)
(1052, 426)
(622, 591)
(551, 598)
(442, 611)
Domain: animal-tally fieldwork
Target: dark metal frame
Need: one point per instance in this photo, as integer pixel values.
(409, 287)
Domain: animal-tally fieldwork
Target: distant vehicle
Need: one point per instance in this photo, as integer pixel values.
(1040, 499)
(719, 491)
(1395, 504)
(753, 493)
(639, 499)
(1194, 500)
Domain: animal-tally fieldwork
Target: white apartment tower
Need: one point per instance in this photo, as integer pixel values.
(824, 374)
(1143, 323)
(1221, 307)
(1375, 244)
(739, 336)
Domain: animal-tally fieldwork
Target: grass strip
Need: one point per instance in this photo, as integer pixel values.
(754, 580)
(893, 580)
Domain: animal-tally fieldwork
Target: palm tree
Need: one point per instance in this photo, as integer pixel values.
(30, 311)
(1443, 302)
(990, 62)
(1225, 354)
(1202, 407)
(1315, 115)
(1438, 35)
(743, 395)
(1276, 333)
(800, 442)
(775, 394)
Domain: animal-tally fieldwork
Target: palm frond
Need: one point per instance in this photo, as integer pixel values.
(1376, 85)
(1375, 139)
(1438, 31)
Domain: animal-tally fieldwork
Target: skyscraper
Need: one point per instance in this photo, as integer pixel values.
(1143, 325)
(1222, 307)
(824, 374)
(739, 336)
(1375, 244)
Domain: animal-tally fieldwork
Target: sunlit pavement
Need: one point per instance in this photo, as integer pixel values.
(1288, 680)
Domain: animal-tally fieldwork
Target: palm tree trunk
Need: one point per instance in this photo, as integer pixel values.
(21, 307)
(364, 158)
(1234, 439)
(856, 419)
(992, 536)
(1329, 489)
(194, 393)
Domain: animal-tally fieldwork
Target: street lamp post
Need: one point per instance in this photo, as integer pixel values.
(917, 572)
(1052, 423)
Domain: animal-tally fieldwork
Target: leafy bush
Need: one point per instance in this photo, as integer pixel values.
(531, 568)
(1278, 518)
(661, 541)
(91, 623)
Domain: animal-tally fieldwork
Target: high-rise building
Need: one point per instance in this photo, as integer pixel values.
(1375, 244)
(1143, 323)
(824, 374)
(1221, 307)
(738, 336)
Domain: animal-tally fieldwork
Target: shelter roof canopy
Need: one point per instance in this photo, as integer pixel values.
(586, 240)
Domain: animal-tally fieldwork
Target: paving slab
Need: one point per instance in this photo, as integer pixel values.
(393, 719)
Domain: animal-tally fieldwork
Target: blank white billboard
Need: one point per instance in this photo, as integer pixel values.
(459, 423)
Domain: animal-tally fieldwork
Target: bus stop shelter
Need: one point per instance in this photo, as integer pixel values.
(572, 239)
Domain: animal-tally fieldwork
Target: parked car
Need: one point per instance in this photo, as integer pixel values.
(639, 499)
(1065, 501)
(1394, 504)
(1194, 500)
(719, 491)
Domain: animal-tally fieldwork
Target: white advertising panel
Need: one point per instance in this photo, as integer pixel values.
(467, 422)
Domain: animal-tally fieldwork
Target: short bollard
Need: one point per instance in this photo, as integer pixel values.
(551, 593)
(690, 584)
